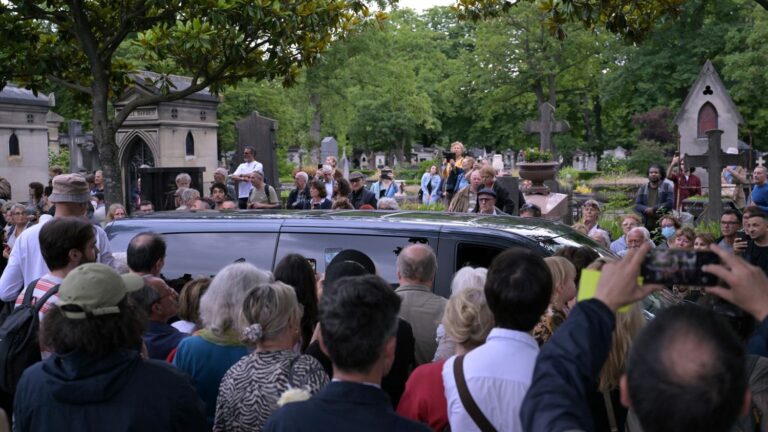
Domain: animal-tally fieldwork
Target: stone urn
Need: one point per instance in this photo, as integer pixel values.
(537, 173)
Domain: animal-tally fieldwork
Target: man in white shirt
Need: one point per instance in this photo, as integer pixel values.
(497, 374)
(71, 196)
(242, 176)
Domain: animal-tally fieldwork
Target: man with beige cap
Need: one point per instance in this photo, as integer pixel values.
(71, 196)
(96, 378)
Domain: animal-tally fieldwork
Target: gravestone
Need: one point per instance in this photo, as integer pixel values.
(260, 133)
(83, 154)
(715, 160)
(159, 184)
(592, 162)
(381, 160)
(545, 126)
(344, 164)
(328, 147)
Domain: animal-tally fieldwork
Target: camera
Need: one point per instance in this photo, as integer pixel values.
(449, 156)
(679, 267)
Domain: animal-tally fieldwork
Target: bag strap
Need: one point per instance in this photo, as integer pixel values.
(609, 409)
(290, 370)
(50, 293)
(469, 403)
(29, 293)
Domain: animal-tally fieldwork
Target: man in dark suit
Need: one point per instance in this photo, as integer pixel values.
(360, 195)
(358, 323)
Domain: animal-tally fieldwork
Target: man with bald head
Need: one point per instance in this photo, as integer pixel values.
(161, 303)
(416, 269)
(146, 254)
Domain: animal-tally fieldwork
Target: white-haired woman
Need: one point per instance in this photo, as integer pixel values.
(208, 354)
(465, 278)
(251, 390)
(467, 321)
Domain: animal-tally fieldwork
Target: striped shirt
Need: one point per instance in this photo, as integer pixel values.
(41, 287)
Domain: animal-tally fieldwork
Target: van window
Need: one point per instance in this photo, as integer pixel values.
(382, 250)
(206, 253)
(475, 255)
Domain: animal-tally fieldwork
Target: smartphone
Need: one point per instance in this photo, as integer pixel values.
(679, 267)
(319, 166)
(741, 236)
(313, 263)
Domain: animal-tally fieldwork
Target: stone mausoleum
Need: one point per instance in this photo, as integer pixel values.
(26, 126)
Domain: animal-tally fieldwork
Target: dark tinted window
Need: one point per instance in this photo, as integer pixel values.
(206, 253)
(475, 255)
(383, 250)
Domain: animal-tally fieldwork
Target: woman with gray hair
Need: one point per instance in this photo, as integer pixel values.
(256, 385)
(208, 354)
(467, 321)
(465, 278)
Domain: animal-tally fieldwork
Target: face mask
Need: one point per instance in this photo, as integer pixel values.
(668, 232)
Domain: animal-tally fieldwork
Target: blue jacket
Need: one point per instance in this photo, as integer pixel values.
(342, 407)
(161, 338)
(568, 367)
(390, 192)
(664, 205)
(436, 181)
(120, 392)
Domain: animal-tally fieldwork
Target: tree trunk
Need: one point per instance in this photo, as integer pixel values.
(104, 138)
(597, 109)
(317, 122)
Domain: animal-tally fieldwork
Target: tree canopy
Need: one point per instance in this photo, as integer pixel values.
(77, 45)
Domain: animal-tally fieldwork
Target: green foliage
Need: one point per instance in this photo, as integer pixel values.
(711, 227)
(611, 166)
(414, 205)
(647, 153)
(533, 154)
(612, 224)
(59, 159)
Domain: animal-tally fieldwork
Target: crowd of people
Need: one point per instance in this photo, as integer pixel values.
(291, 349)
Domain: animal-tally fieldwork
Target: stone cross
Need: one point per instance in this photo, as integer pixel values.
(714, 161)
(546, 126)
(760, 161)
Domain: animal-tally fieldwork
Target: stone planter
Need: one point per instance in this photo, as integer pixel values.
(537, 173)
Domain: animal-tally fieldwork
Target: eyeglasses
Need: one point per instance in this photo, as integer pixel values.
(484, 199)
(354, 180)
(728, 223)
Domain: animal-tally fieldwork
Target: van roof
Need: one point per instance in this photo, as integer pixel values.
(536, 229)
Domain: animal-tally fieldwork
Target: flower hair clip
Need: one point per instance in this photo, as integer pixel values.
(253, 333)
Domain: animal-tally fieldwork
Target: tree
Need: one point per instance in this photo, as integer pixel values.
(75, 44)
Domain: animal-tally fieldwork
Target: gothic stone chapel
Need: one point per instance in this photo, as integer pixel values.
(707, 106)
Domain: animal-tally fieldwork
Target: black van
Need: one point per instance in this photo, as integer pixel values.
(201, 243)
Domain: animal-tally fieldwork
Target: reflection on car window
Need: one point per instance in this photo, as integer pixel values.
(323, 247)
(207, 253)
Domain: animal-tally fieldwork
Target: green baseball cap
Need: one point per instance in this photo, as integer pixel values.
(95, 289)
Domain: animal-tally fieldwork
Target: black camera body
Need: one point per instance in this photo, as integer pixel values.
(449, 156)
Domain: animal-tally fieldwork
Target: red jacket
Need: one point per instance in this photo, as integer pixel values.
(684, 188)
(424, 396)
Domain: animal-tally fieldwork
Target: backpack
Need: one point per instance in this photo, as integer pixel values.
(19, 346)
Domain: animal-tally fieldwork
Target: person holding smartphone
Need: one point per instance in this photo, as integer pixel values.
(730, 228)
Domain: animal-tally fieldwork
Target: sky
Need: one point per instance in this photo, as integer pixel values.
(422, 5)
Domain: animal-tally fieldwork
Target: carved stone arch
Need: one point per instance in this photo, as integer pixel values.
(145, 136)
(707, 119)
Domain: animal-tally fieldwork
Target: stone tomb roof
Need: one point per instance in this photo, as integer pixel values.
(11, 94)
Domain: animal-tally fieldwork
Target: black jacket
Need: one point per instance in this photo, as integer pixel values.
(362, 197)
(566, 370)
(296, 202)
(342, 407)
(120, 392)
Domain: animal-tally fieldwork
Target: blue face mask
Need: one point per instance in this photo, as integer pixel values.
(668, 232)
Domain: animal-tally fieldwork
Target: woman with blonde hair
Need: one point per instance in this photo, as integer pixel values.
(466, 277)
(563, 290)
(189, 305)
(208, 355)
(467, 320)
(254, 387)
(116, 211)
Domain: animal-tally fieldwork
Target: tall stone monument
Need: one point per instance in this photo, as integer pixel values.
(708, 106)
(260, 133)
